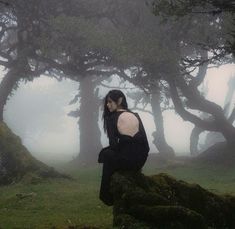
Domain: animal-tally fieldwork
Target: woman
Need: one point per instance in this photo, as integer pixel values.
(128, 145)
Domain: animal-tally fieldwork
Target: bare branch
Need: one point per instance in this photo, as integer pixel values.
(197, 102)
(4, 63)
(132, 80)
(101, 73)
(6, 56)
(141, 109)
(232, 116)
(186, 115)
(125, 88)
(196, 81)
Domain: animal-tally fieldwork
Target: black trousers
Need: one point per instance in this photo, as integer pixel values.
(112, 162)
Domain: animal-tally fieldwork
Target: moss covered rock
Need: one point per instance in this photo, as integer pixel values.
(16, 162)
(160, 201)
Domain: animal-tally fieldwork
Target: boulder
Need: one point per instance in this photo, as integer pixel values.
(161, 201)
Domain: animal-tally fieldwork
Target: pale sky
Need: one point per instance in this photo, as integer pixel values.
(37, 112)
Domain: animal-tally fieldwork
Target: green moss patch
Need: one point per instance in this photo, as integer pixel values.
(17, 163)
(161, 201)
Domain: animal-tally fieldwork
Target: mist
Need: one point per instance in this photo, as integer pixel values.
(37, 111)
(71, 153)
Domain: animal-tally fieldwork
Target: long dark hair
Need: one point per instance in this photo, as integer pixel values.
(114, 95)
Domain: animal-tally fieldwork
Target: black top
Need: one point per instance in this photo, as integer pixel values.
(126, 145)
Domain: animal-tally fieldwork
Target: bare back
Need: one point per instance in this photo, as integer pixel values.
(128, 124)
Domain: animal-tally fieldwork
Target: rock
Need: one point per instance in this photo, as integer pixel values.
(16, 162)
(25, 195)
(160, 201)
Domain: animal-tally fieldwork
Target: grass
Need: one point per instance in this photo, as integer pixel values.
(218, 179)
(58, 203)
(62, 203)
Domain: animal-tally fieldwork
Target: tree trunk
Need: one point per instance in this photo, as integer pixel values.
(90, 142)
(194, 138)
(228, 131)
(229, 96)
(197, 102)
(212, 137)
(6, 87)
(159, 135)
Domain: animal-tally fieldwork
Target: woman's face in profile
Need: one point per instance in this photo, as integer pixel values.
(112, 106)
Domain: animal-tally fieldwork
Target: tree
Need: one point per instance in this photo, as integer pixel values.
(20, 26)
(188, 86)
(88, 113)
(105, 39)
(84, 42)
(147, 59)
(26, 34)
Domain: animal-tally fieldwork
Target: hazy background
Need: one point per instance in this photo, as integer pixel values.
(37, 112)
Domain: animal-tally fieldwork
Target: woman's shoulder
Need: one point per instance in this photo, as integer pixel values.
(123, 115)
(127, 115)
(127, 120)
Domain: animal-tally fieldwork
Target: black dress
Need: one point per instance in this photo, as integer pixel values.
(123, 153)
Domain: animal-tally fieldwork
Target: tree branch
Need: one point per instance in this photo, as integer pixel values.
(4, 63)
(6, 56)
(132, 80)
(232, 116)
(101, 73)
(140, 109)
(186, 115)
(196, 81)
(125, 88)
(197, 102)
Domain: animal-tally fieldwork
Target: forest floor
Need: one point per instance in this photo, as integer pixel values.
(60, 203)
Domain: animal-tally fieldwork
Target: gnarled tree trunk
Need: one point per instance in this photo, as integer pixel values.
(159, 135)
(212, 137)
(194, 138)
(197, 102)
(6, 87)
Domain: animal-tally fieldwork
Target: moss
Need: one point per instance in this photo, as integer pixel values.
(127, 221)
(164, 202)
(16, 161)
(31, 178)
(168, 216)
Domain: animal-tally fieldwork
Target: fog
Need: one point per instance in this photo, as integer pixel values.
(71, 157)
(38, 112)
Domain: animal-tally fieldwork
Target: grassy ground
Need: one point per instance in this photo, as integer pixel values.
(55, 203)
(63, 203)
(218, 179)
